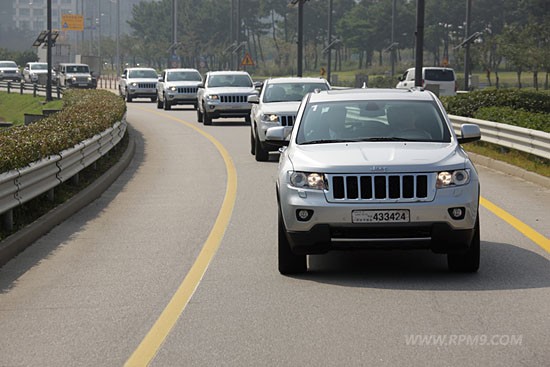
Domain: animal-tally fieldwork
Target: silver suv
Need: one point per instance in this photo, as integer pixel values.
(376, 168)
(225, 94)
(74, 76)
(9, 71)
(276, 106)
(178, 87)
(138, 83)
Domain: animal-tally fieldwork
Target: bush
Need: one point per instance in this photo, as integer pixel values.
(85, 113)
(508, 115)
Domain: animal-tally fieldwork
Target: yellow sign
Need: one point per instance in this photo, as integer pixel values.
(247, 60)
(72, 22)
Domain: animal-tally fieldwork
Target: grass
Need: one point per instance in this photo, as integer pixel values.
(13, 106)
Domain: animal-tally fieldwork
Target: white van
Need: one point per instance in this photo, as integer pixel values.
(441, 81)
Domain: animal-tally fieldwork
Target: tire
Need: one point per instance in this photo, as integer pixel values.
(247, 119)
(207, 119)
(128, 97)
(262, 155)
(252, 142)
(466, 261)
(160, 104)
(167, 105)
(289, 262)
(153, 99)
(199, 115)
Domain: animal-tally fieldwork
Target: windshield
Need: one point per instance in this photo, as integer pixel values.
(78, 69)
(8, 64)
(39, 66)
(187, 76)
(229, 80)
(286, 92)
(147, 74)
(384, 120)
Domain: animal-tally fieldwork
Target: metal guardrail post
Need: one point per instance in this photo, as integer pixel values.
(7, 220)
(9, 87)
(21, 88)
(34, 89)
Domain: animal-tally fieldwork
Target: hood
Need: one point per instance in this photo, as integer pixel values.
(143, 80)
(285, 108)
(376, 157)
(232, 90)
(10, 69)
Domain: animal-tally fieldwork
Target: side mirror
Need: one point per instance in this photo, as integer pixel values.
(253, 99)
(201, 85)
(276, 136)
(469, 133)
(160, 79)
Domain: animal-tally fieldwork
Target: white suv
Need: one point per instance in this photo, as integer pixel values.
(9, 71)
(224, 94)
(277, 106)
(178, 87)
(37, 72)
(376, 168)
(138, 83)
(441, 81)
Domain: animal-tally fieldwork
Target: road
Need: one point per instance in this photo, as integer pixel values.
(109, 287)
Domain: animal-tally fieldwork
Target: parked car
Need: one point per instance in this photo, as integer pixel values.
(9, 71)
(138, 83)
(225, 94)
(37, 73)
(441, 81)
(376, 168)
(71, 75)
(277, 105)
(178, 87)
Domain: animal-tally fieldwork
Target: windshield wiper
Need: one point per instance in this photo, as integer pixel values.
(393, 138)
(326, 141)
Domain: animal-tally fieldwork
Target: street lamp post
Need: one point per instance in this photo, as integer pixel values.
(49, 52)
(467, 46)
(300, 4)
(419, 43)
(329, 39)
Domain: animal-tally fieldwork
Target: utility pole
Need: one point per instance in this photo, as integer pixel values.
(329, 39)
(467, 45)
(419, 43)
(49, 52)
(392, 51)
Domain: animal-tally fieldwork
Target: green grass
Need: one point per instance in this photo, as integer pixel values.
(13, 106)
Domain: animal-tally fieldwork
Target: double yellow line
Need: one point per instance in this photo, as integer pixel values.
(156, 336)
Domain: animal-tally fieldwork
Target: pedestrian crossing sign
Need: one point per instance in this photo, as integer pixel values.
(247, 60)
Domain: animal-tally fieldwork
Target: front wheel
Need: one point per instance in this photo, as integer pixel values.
(160, 104)
(252, 142)
(289, 262)
(167, 105)
(128, 97)
(207, 118)
(262, 155)
(199, 115)
(466, 261)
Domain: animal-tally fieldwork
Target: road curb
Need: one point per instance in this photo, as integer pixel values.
(510, 169)
(17, 242)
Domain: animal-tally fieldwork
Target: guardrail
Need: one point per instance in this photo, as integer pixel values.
(35, 88)
(526, 140)
(21, 185)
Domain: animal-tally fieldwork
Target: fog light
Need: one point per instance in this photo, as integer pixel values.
(457, 213)
(303, 215)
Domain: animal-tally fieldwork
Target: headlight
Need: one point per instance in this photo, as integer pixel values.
(173, 89)
(453, 178)
(269, 117)
(308, 180)
(213, 97)
(73, 78)
(134, 84)
(89, 78)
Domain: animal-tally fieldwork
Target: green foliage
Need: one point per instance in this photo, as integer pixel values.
(85, 114)
(508, 115)
(13, 106)
(468, 103)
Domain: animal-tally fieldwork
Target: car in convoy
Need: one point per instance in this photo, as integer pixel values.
(178, 87)
(276, 105)
(224, 94)
(9, 71)
(440, 80)
(376, 169)
(138, 83)
(74, 75)
(37, 73)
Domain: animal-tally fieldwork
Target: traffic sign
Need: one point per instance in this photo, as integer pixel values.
(247, 60)
(72, 22)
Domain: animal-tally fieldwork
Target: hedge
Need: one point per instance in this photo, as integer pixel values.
(85, 113)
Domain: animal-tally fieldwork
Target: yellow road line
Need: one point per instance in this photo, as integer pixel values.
(152, 342)
(523, 228)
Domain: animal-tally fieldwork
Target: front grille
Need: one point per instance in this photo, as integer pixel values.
(385, 187)
(187, 90)
(287, 120)
(147, 85)
(234, 99)
(81, 79)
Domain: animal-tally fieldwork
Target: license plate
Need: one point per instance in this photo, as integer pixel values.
(380, 216)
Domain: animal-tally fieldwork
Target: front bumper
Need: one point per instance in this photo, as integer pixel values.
(330, 226)
(181, 98)
(142, 93)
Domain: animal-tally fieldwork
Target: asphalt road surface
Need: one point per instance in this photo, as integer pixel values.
(110, 286)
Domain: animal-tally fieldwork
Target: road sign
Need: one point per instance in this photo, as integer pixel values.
(247, 60)
(72, 22)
